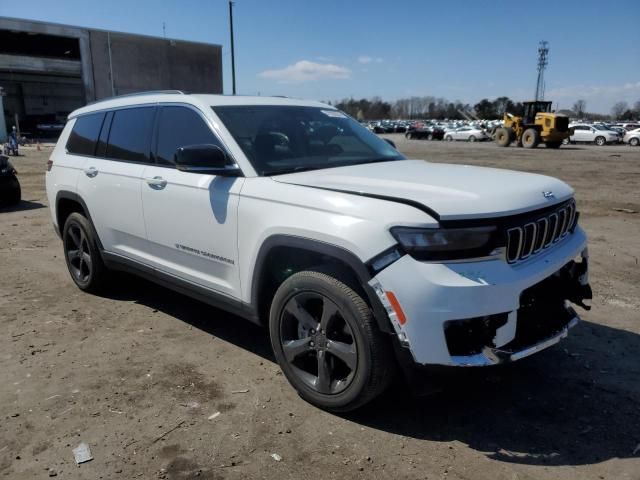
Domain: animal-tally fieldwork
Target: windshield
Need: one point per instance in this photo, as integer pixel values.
(285, 139)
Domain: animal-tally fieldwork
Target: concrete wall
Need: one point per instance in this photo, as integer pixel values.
(146, 63)
(137, 62)
(42, 85)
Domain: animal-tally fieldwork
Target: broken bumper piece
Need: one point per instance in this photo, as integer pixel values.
(495, 356)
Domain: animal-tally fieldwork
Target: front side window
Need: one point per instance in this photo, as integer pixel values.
(285, 139)
(84, 135)
(180, 127)
(130, 134)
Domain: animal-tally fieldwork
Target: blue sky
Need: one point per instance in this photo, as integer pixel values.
(328, 49)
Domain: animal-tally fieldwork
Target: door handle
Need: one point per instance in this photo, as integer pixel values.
(157, 183)
(91, 172)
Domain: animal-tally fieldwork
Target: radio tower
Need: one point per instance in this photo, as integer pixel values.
(543, 53)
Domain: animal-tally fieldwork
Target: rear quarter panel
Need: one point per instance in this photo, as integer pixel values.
(64, 171)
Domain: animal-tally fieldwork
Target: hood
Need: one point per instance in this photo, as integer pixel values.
(445, 191)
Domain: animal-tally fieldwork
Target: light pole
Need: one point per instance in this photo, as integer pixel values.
(233, 57)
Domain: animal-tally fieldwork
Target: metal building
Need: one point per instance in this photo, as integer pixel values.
(47, 70)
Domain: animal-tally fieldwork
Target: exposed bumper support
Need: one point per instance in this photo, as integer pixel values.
(495, 356)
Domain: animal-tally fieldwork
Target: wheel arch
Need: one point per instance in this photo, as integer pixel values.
(282, 255)
(70, 202)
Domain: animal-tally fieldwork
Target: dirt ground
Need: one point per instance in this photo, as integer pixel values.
(138, 373)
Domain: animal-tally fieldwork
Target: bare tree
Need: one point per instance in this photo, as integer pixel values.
(618, 109)
(580, 108)
(636, 108)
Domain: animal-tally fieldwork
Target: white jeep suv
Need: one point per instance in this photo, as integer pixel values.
(291, 214)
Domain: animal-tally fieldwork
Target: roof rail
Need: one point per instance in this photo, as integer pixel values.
(136, 94)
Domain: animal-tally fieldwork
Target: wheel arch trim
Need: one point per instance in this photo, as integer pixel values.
(67, 195)
(357, 267)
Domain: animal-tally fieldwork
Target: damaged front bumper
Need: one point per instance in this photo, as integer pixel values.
(486, 313)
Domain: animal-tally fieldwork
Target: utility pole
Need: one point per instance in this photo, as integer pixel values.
(233, 57)
(543, 53)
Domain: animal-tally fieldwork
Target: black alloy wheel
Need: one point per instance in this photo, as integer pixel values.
(81, 253)
(327, 341)
(318, 343)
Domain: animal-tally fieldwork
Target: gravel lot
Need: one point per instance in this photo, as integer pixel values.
(138, 373)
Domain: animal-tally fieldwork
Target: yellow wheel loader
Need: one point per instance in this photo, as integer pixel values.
(538, 125)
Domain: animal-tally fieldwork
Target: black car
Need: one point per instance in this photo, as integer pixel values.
(428, 132)
(10, 193)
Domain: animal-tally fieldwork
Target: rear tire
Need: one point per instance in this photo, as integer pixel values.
(472, 138)
(600, 141)
(10, 193)
(503, 137)
(449, 138)
(634, 142)
(553, 144)
(327, 342)
(82, 254)
(530, 138)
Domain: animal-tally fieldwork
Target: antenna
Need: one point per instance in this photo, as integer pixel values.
(164, 30)
(543, 53)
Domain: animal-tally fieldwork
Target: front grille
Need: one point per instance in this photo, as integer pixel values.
(540, 233)
(562, 124)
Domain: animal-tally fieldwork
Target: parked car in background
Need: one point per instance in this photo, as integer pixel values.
(597, 134)
(10, 193)
(628, 126)
(632, 137)
(427, 132)
(621, 131)
(470, 134)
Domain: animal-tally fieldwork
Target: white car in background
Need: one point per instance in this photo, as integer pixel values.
(632, 137)
(597, 134)
(470, 134)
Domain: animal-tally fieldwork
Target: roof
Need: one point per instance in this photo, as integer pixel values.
(202, 100)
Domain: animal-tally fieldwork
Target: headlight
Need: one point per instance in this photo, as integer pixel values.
(446, 243)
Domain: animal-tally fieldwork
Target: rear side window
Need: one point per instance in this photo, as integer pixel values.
(130, 134)
(84, 135)
(179, 127)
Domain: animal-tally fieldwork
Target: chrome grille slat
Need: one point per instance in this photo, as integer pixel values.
(540, 233)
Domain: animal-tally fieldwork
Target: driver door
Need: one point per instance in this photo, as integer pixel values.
(191, 218)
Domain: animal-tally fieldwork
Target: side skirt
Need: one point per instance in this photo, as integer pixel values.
(197, 292)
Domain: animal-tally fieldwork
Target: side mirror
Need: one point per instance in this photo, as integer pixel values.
(208, 159)
(390, 142)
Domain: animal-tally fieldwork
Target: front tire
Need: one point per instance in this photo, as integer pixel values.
(503, 137)
(634, 142)
(472, 138)
(82, 254)
(327, 342)
(449, 138)
(530, 138)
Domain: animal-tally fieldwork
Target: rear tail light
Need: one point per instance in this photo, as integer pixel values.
(49, 164)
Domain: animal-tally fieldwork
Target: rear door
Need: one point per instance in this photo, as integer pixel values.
(191, 218)
(111, 182)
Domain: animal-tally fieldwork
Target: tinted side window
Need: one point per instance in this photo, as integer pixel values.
(83, 137)
(179, 127)
(130, 134)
